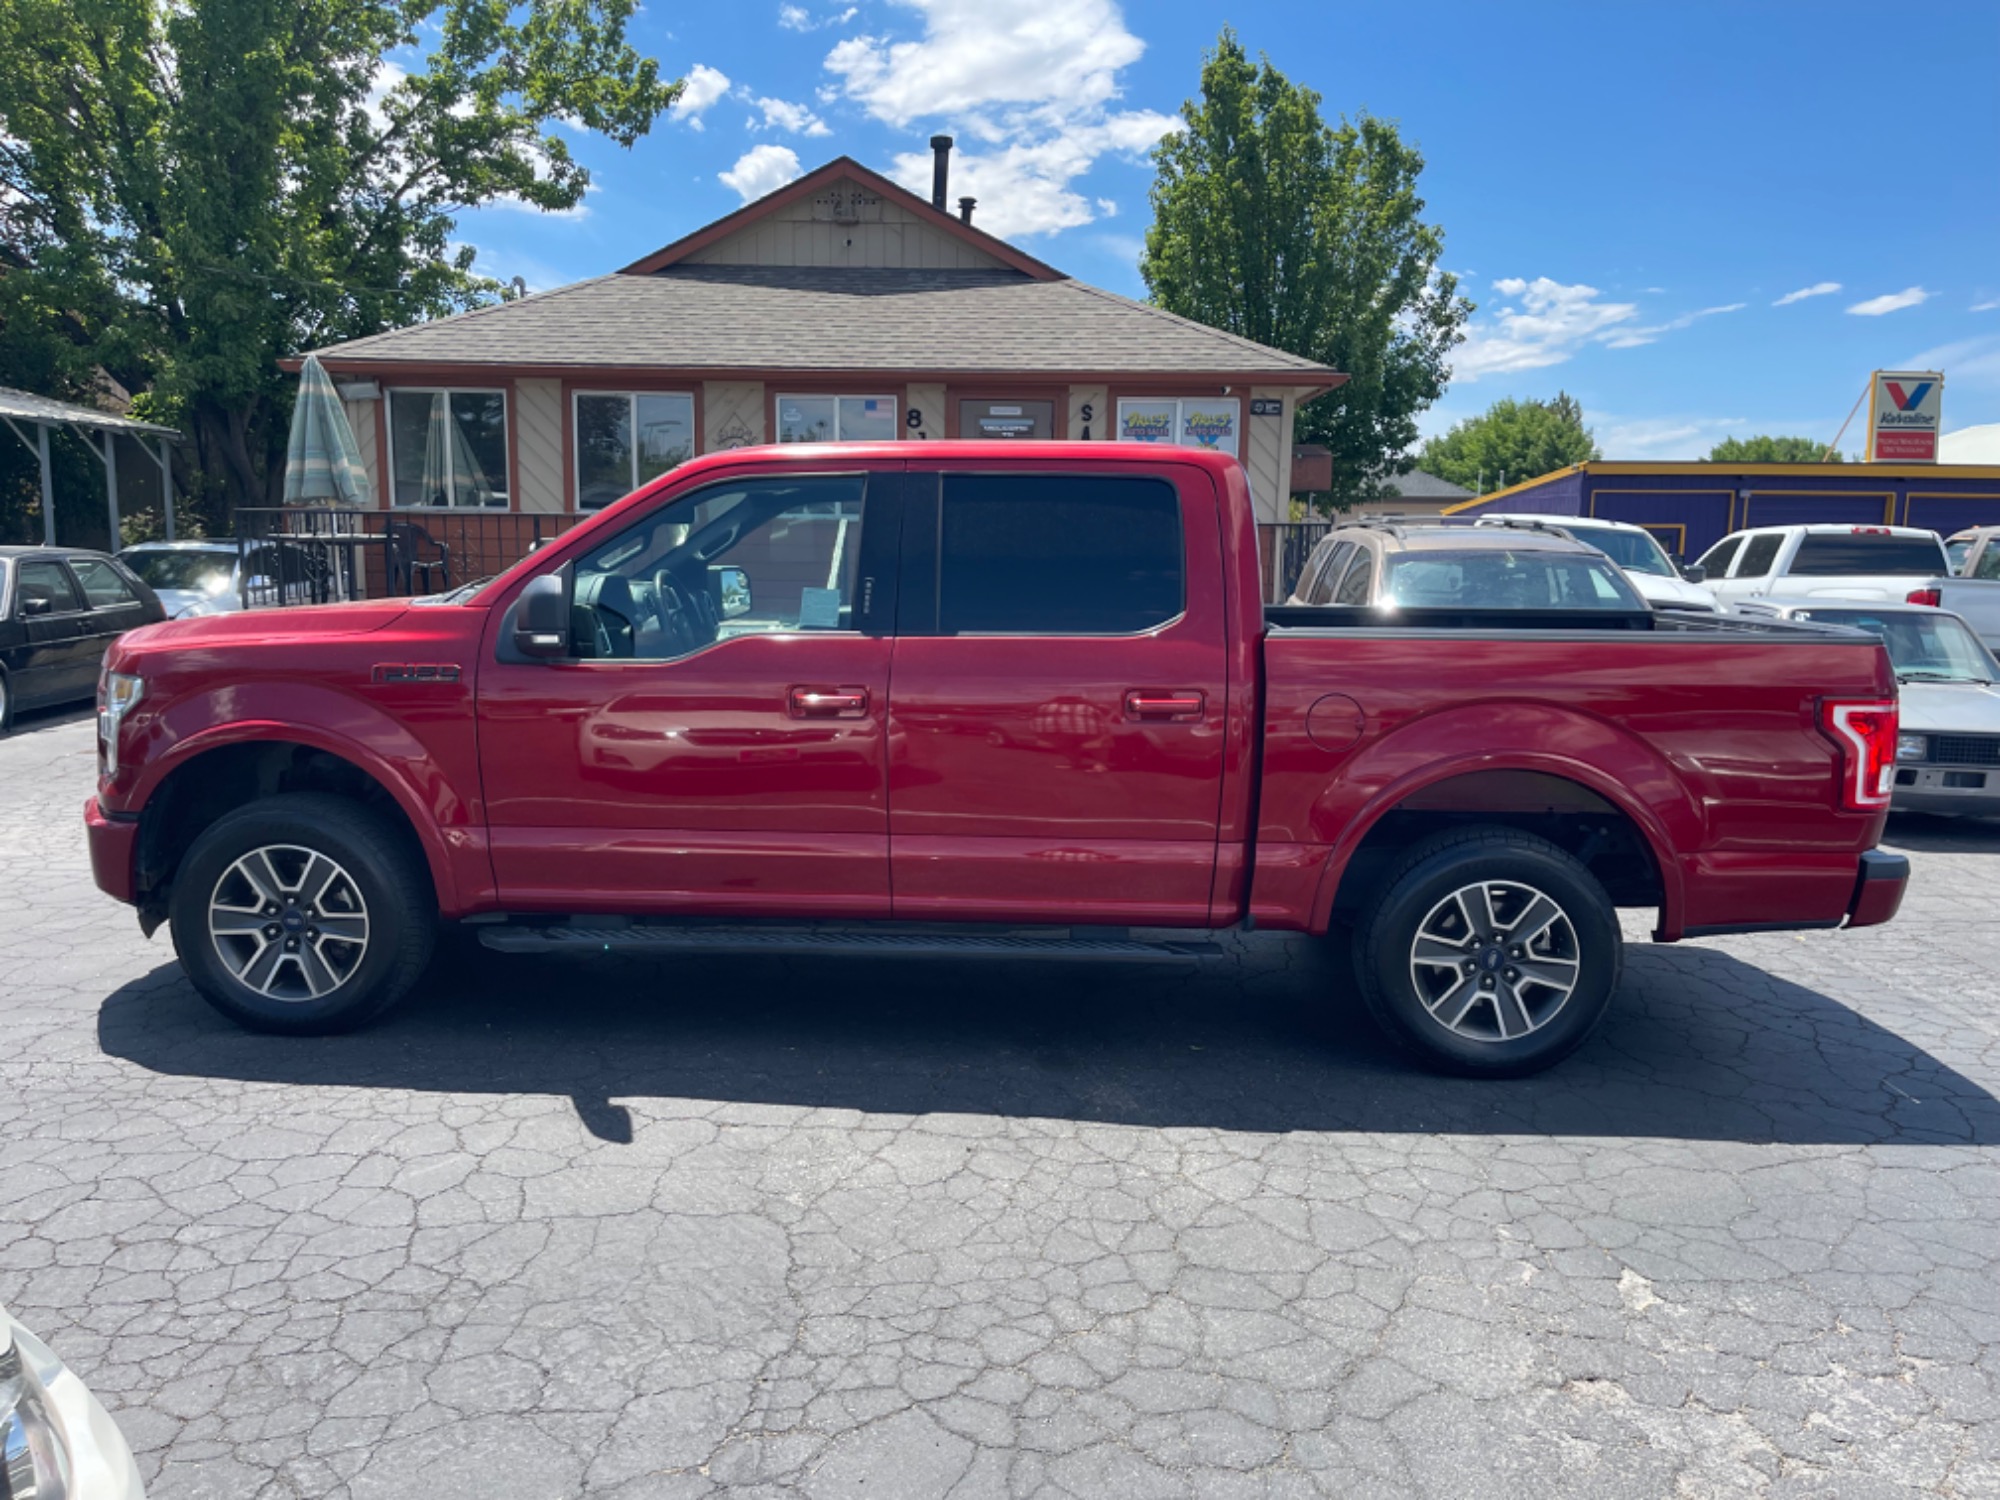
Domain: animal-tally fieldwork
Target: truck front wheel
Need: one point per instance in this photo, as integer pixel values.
(303, 914)
(1490, 953)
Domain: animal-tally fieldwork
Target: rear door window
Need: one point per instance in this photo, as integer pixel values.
(101, 584)
(1833, 554)
(1058, 554)
(1329, 573)
(1758, 556)
(1360, 577)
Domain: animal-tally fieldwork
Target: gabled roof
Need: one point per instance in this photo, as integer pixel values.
(823, 177)
(715, 321)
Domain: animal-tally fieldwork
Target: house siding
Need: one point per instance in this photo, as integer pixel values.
(1090, 413)
(1266, 450)
(539, 418)
(733, 414)
(805, 233)
(927, 400)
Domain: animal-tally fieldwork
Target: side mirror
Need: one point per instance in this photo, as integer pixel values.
(732, 590)
(1694, 572)
(31, 607)
(541, 618)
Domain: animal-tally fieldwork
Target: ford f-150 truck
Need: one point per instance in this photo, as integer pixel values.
(987, 699)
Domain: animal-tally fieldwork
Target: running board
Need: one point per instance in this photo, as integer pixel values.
(664, 938)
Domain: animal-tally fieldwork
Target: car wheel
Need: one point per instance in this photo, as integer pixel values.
(303, 914)
(1490, 953)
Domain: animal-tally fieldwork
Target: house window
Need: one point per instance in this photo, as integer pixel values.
(447, 448)
(1188, 422)
(836, 419)
(624, 439)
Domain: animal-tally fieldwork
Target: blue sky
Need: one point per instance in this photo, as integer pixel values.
(1699, 219)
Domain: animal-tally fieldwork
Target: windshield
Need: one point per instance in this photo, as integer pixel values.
(1922, 647)
(201, 572)
(1634, 551)
(1503, 578)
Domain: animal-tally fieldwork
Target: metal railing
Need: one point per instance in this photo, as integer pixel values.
(1283, 549)
(310, 554)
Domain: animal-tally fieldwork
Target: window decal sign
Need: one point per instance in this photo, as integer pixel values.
(1212, 422)
(1148, 421)
(1209, 424)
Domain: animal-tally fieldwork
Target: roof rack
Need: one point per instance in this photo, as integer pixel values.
(1521, 523)
(1390, 521)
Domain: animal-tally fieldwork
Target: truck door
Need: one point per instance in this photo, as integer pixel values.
(1058, 696)
(715, 741)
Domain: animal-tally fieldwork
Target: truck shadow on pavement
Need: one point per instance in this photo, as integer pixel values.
(1698, 1046)
(1932, 834)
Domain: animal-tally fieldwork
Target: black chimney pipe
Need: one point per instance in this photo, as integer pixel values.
(965, 209)
(940, 169)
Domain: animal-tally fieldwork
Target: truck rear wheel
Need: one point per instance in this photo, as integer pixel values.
(302, 914)
(1490, 953)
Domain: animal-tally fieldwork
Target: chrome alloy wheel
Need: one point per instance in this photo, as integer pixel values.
(1495, 961)
(289, 923)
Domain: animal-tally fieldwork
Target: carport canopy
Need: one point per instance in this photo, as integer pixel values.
(21, 410)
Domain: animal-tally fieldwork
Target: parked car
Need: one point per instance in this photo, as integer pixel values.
(1948, 744)
(214, 576)
(1975, 600)
(59, 609)
(1391, 563)
(1663, 581)
(1798, 562)
(56, 1441)
(675, 729)
(1973, 548)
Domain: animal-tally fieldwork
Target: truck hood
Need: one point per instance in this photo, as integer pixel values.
(1950, 707)
(315, 621)
(1672, 593)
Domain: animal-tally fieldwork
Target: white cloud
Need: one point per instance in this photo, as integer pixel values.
(1973, 361)
(1671, 437)
(1551, 323)
(1817, 289)
(705, 85)
(1036, 80)
(761, 170)
(1890, 302)
(1108, 207)
(1991, 305)
(798, 18)
(1632, 338)
(781, 114)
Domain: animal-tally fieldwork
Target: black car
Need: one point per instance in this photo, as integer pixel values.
(59, 608)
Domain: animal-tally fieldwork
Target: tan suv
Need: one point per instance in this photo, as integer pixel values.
(1425, 564)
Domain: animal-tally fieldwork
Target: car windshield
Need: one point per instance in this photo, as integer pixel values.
(1634, 551)
(199, 572)
(1922, 647)
(1506, 578)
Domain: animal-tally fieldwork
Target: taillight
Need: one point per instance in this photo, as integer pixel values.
(1932, 597)
(1866, 734)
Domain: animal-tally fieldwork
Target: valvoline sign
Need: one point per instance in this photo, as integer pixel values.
(1904, 411)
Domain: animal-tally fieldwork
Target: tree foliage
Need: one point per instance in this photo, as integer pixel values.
(1770, 450)
(1271, 224)
(1517, 439)
(191, 190)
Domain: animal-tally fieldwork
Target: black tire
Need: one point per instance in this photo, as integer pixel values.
(1414, 998)
(376, 867)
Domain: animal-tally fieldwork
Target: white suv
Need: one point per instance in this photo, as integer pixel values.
(1806, 562)
(1659, 580)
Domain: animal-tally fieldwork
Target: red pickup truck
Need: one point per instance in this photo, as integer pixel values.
(983, 699)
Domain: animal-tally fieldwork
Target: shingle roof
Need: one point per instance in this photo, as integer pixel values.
(696, 317)
(1417, 485)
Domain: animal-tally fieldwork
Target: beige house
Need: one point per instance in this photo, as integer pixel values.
(839, 307)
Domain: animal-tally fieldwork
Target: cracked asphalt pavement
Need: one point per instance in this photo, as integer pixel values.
(860, 1228)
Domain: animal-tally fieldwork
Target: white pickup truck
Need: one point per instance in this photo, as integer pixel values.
(1880, 563)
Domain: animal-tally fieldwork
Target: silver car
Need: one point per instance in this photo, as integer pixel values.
(214, 577)
(1426, 564)
(1948, 747)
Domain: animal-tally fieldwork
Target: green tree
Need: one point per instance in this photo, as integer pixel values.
(1770, 450)
(1271, 224)
(191, 190)
(1520, 439)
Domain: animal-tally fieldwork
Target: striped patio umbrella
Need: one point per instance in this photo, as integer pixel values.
(322, 461)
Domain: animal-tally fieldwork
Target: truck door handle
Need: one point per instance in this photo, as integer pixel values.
(828, 702)
(1144, 703)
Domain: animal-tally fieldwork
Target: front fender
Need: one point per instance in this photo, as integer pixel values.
(1610, 761)
(448, 822)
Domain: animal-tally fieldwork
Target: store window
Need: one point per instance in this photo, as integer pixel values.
(624, 439)
(1213, 422)
(836, 419)
(1007, 420)
(447, 448)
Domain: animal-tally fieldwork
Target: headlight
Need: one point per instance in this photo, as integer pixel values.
(1912, 747)
(117, 693)
(34, 1464)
